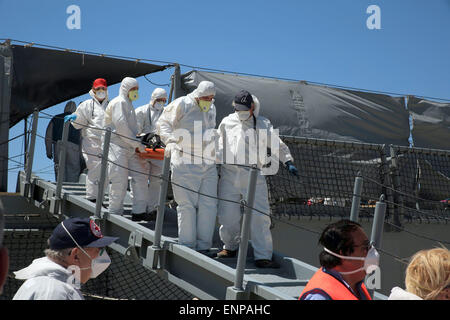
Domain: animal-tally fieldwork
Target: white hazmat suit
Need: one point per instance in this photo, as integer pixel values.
(124, 161)
(196, 213)
(233, 182)
(147, 117)
(91, 113)
(46, 280)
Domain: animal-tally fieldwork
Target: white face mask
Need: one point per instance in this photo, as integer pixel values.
(101, 94)
(371, 260)
(158, 105)
(243, 115)
(99, 264)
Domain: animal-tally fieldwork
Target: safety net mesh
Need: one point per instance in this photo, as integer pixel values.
(26, 239)
(327, 172)
(422, 179)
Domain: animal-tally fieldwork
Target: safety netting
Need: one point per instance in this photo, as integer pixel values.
(327, 176)
(26, 239)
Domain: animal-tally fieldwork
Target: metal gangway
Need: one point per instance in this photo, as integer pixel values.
(154, 244)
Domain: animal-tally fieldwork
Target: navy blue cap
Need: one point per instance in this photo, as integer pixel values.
(83, 230)
(243, 101)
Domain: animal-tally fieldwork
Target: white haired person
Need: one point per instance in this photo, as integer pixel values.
(192, 167)
(235, 132)
(147, 116)
(76, 254)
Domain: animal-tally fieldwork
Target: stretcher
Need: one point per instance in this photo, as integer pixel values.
(157, 154)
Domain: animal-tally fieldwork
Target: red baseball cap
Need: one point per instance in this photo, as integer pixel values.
(100, 82)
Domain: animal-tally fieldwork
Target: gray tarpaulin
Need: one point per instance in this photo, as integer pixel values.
(431, 123)
(44, 77)
(312, 111)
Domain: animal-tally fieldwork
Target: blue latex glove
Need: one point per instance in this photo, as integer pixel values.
(70, 117)
(292, 169)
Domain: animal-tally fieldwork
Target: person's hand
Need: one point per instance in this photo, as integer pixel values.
(70, 117)
(140, 148)
(291, 168)
(169, 149)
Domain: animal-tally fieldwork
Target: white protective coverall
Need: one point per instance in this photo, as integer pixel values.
(233, 182)
(46, 280)
(398, 293)
(147, 116)
(120, 116)
(196, 213)
(91, 113)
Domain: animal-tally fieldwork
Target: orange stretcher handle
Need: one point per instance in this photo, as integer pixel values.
(158, 154)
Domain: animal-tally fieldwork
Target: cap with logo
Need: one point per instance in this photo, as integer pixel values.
(84, 231)
(243, 101)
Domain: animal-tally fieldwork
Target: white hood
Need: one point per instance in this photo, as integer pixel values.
(398, 293)
(43, 267)
(125, 86)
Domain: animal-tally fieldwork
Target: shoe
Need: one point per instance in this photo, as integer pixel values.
(142, 217)
(225, 253)
(264, 263)
(95, 201)
(152, 215)
(207, 253)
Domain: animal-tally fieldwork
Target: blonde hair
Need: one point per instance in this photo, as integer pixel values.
(428, 273)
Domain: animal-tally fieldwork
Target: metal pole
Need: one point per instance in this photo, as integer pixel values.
(62, 160)
(104, 166)
(396, 186)
(162, 202)
(177, 91)
(30, 154)
(357, 190)
(378, 222)
(245, 233)
(25, 136)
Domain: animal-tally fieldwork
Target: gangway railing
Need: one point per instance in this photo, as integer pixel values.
(198, 274)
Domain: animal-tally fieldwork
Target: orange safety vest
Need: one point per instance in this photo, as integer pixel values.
(335, 289)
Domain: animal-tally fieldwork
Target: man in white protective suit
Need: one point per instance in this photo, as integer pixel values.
(76, 254)
(244, 135)
(123, 159)
(147, 117)
(89, 115)
(186, 127)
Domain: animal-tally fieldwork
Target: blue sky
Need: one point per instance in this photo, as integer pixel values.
(320, 41)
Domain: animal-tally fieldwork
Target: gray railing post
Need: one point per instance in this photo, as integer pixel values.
(30, 154)
(62, 160)
(378, 222)
(245, 232)
(102, 181)
(162, 202)
(153, 252)
(398, 211)
(356, 201)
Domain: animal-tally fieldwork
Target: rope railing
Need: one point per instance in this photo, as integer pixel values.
(304, 180)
